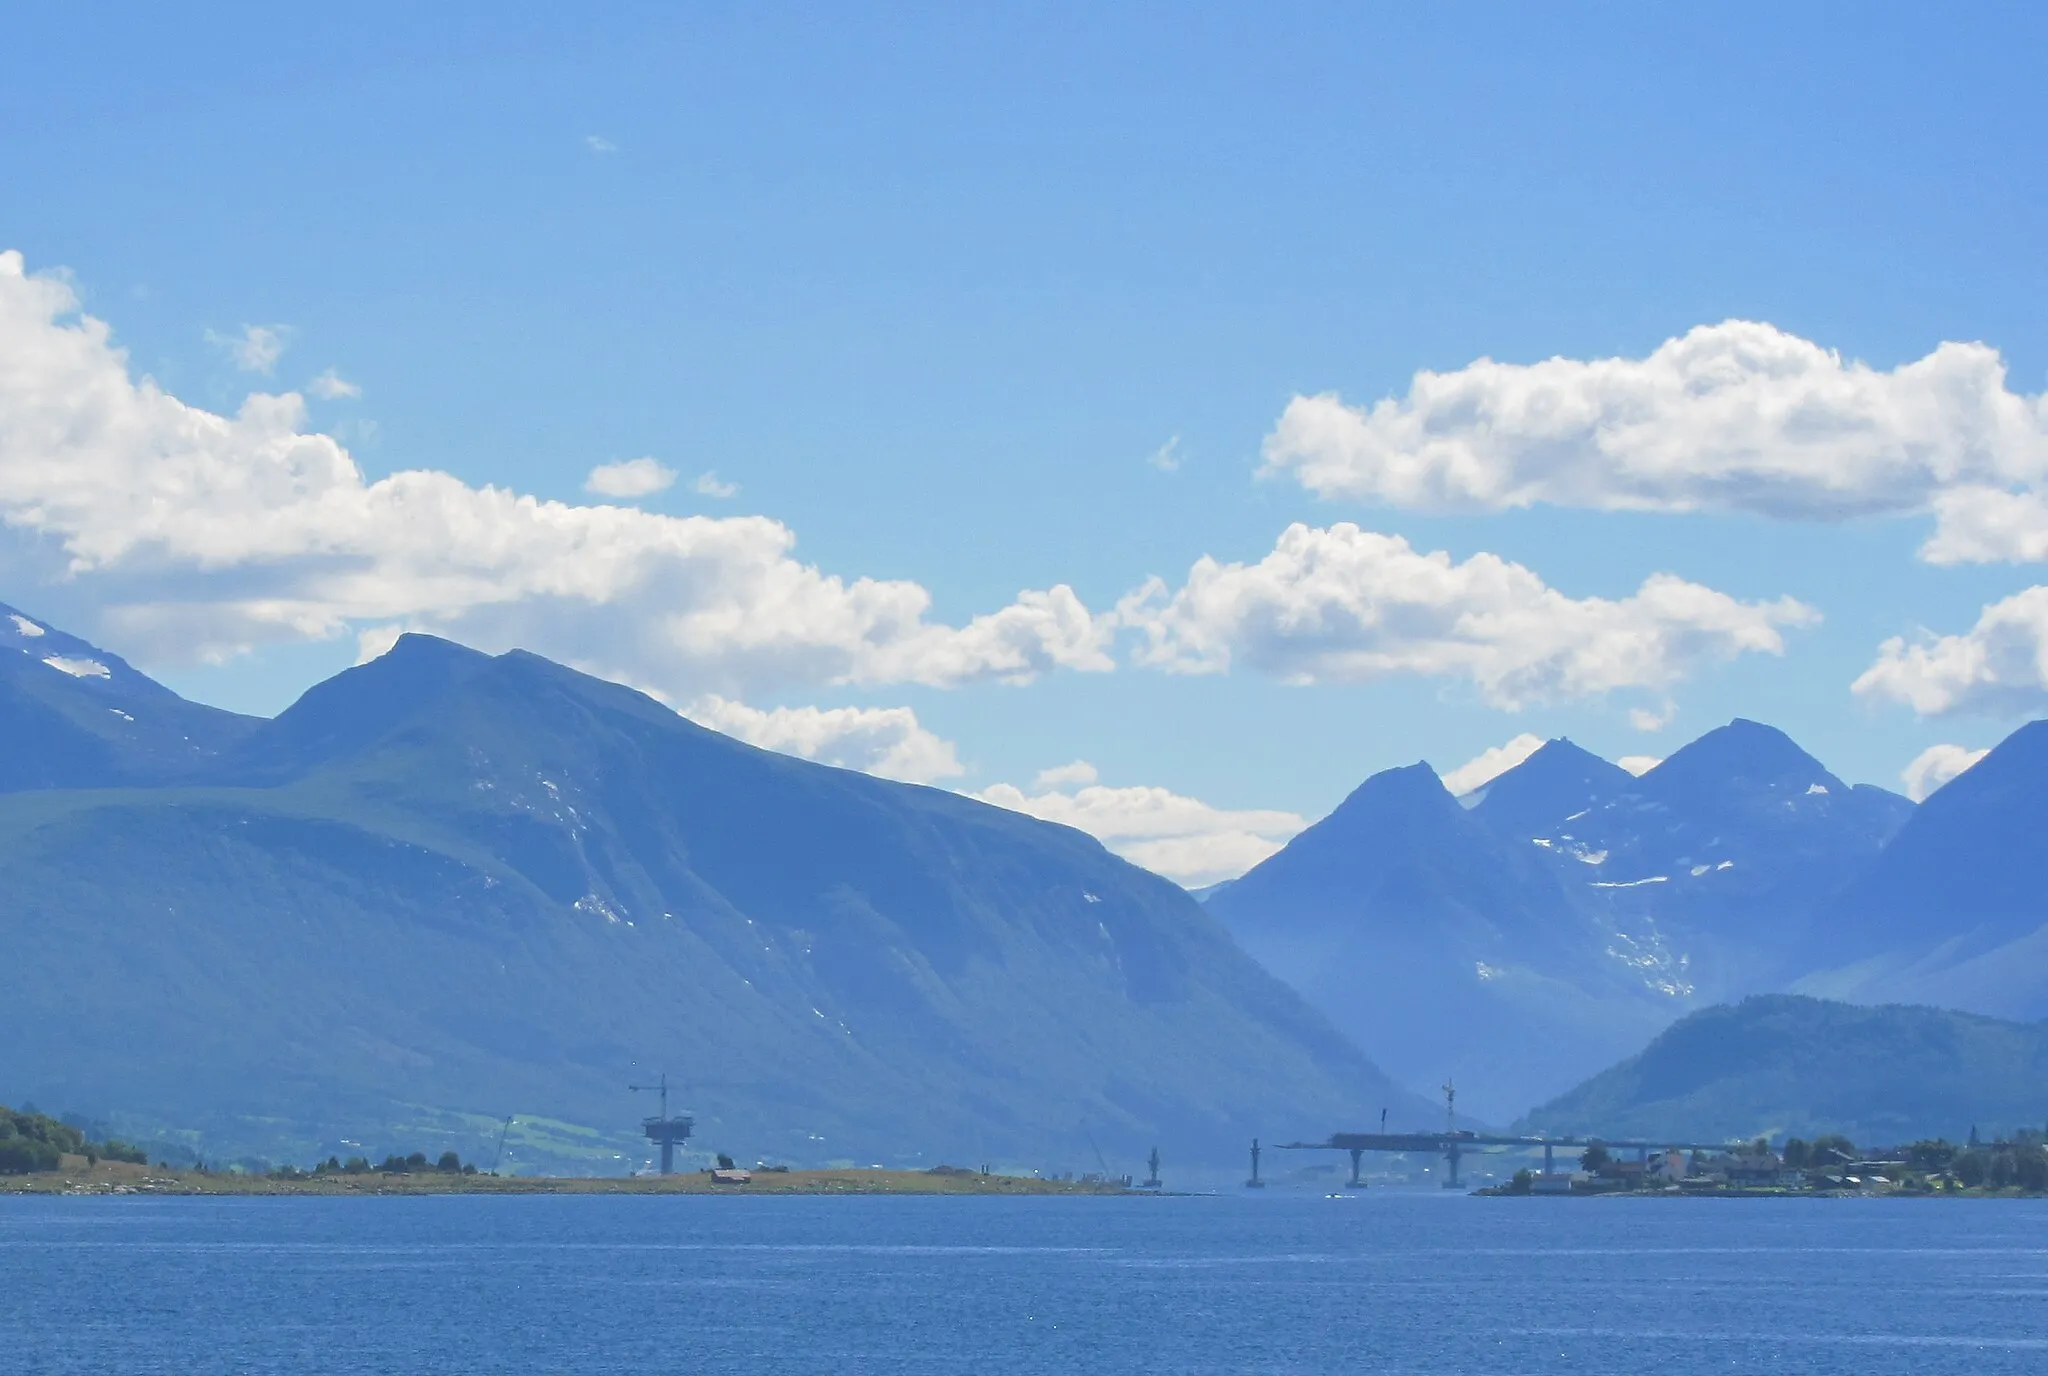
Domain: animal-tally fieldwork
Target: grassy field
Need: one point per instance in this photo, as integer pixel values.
(119, 1178)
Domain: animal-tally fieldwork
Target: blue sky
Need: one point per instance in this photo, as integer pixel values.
(932, 287)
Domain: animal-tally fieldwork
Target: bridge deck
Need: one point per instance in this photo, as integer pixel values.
(1444, 1141)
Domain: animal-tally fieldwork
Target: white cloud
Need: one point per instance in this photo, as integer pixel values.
(1489, 765)
(373, 642)
(1182, 838)
(708, 485)
(1935, 766)
(1350, 606)
(629, 478)
(332, 386)
(2000, 665)
(1640, 765)
(1166, 458)
(875, 740)
(1986, 525)
(1739, 416)
(255, 350)
(1062, 775)
(182, 535)
(599, 144)
(1644, 719)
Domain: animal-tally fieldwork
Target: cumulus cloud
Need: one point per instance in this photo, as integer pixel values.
(887, 741)
(1064, 775)
(1739, 416)
(1935, 766)
(709, 485)
(1166, 458)
(1183, 838)
(1346, 605)
(181, 534)
(1987, 525)
(332, 386)
(1648, 720)
(1489, 765)
(1640, 765)
(629, 478)
(255, 350)
(1999, 665)
(599, 144)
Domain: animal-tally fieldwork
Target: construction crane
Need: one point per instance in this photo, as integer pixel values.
(499, 1154)
(663, 1130)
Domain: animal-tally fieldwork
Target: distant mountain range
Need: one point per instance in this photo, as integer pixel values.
(444, 888)
(1778, 1065)
(1521, 938)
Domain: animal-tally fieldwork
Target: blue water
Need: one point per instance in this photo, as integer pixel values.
(1390, 1282)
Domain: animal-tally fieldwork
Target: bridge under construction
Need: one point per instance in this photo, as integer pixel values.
(1453, 1145)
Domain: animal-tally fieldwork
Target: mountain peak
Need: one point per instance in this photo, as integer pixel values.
(360, 704)
(74, 716)
(83, 663)
(1559, 780)
(1742, 753)
(1403, 783)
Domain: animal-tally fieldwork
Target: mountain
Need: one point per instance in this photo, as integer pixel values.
(1712, 865)
(1559, 783)
(445, 887)
(1780, 1064)
(1955, 910)
(74, 716)
(1451, 951)
(1565, 913)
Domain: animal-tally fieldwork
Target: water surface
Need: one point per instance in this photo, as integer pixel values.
(1388, 1282)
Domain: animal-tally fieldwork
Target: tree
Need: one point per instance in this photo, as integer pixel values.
(2002, 1170)
(21, 1155)
(1971, 1168)
(1931, 1154)
(1594, 1158)
(1831, 1142)
(1520, 1184)
(449, 1162)
(1798, 1153)
(724, 1162)
(2030, 1169)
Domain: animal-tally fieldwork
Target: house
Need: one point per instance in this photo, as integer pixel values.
(1559, 1182)
(1665, 1168)
(1753, 1168)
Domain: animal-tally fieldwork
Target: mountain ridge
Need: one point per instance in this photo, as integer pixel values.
(444, 886)
(1778, 1064)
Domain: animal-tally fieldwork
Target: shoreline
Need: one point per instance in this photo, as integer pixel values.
(118, 1179)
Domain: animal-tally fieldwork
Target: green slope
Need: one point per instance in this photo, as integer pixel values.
(445, 888)
(1778, 1064)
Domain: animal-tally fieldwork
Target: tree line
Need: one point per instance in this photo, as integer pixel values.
(32, 1141)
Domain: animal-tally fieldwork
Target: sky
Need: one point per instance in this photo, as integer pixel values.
(1158, 418)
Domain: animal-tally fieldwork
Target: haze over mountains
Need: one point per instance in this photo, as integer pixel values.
(1548, 924)
(1780, 1065)
(444, 887)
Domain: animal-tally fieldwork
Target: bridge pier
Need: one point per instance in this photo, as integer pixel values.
(1451, 1160)
(1549, 1166)
(1357, 1155)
